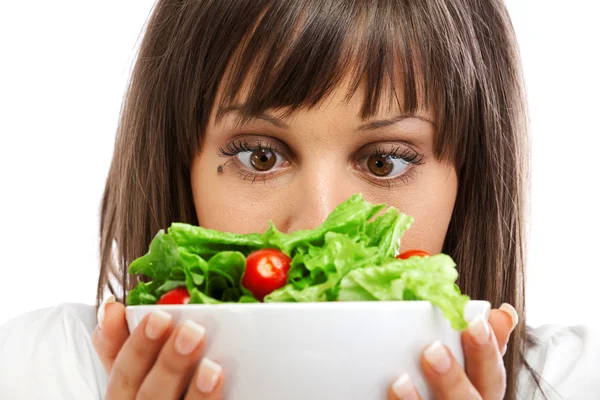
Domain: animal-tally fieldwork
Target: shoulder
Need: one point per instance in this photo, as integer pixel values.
(48, 353)
(81, 314)
(566, 360)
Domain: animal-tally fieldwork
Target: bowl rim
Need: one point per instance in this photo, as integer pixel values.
(324, 305)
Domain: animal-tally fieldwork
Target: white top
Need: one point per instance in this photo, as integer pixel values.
(48, 353)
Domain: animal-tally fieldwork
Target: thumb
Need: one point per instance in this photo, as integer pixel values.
(111, 332)
(503, 322)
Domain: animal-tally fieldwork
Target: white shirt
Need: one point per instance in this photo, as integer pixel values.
(48, 354)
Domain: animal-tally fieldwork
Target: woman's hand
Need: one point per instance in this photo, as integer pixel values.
(156, 361)
(484, 344)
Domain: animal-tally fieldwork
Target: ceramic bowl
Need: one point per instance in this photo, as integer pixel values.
(329, 350)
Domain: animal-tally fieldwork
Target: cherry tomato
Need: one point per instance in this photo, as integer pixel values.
(175, 296)
(413, 253)
(266, 271)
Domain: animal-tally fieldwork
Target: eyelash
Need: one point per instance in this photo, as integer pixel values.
(236, 147)
(408, 155)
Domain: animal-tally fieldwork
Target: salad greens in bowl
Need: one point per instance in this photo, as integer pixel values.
(286, 304)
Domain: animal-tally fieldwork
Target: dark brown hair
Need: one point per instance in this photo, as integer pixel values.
(459, 58)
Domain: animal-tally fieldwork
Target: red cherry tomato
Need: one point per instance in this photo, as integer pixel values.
(175, 296)
(266, 271)
(413, 253)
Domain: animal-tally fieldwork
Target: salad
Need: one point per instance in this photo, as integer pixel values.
(352, 256)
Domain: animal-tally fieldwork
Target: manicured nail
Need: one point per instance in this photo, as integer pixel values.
(208, 375)
(157, 324)
(100, 315)
(437, 356)
(510, 310)
(189, 337)
(404, 389)
(479, 329)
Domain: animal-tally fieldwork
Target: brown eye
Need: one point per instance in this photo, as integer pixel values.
(380, 165)
(263, 159)
(260, 159)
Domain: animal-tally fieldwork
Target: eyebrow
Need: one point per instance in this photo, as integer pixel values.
(373, 125)
(275, 121)
(390, 121)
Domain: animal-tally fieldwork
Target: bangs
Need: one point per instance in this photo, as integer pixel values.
(403, 54)
(298, 52)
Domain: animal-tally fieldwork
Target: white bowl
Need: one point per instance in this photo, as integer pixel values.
(329, 350)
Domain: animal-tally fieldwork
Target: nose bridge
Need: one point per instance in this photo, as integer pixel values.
(320, 188)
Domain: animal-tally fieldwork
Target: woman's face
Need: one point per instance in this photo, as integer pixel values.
(295, 171)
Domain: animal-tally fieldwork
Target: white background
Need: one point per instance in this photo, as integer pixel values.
(63, 71)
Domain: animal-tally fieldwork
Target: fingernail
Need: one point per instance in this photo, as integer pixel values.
(157, 324)
(189, 337)
(208, 375)
(510, 310)
(100, 315)
(404, 389)
(437, 356)
(479, 330)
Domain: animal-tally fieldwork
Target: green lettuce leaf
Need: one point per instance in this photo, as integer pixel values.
(225, 272)
(230, 265)
(160, 259)
(219, 279)
(316, 273)
(195, 269)
(142, 294)
(387, 229)
(169, 285)
(207, 242)
(349, 218)
(417, 278)
(197, 297)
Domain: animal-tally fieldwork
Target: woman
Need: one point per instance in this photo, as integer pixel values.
(240, 112)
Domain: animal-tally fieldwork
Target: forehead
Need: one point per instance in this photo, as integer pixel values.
(343, 100)
(336, 106)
